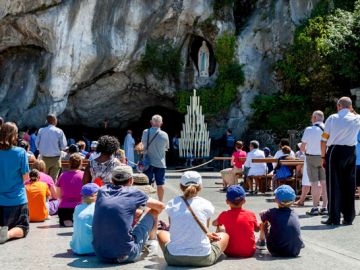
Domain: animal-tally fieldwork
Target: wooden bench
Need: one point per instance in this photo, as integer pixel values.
(65, 164)
(293, 181)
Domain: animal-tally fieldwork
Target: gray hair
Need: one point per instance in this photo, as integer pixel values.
(345, 102)
(319, 115)
(255, 144)
(157, 119)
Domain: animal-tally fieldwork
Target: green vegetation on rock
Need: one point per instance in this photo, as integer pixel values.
(161, 59)
(322, 64)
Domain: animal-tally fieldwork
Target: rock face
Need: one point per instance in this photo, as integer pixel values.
(78, 58)
(262, 42)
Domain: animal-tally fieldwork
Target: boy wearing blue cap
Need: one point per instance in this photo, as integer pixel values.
(283, 238)
(81, 242)
(239, 224)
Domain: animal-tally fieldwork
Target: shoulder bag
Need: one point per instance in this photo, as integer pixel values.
(144, 162)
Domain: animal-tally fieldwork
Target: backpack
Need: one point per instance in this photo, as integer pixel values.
(282, 171)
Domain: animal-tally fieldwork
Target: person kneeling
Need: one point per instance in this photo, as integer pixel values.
(115, 240)
(37, 193)
(189, 243)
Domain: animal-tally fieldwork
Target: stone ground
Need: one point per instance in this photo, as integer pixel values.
(327, 247)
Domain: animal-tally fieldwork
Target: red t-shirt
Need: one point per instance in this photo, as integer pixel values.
(239, 154)
(239, 224)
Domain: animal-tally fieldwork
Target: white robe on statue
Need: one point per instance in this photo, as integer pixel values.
(129, 144)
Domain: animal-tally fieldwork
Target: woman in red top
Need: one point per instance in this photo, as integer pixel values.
(229, 175)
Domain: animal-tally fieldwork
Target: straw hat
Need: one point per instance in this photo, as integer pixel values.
(141, 182)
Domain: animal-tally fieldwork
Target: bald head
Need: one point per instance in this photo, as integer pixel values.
(344, 103)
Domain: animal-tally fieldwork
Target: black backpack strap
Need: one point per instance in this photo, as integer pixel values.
(317, 125)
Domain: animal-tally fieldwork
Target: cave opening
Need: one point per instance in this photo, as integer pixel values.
(172, 124)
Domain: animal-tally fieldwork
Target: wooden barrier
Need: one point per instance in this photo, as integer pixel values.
(65, 164)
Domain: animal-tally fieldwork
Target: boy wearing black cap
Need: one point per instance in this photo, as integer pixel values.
(239, 224)
(283, 239)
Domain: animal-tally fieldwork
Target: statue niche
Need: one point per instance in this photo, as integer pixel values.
(203, 60)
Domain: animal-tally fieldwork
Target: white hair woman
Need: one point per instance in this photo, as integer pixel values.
(189, 243)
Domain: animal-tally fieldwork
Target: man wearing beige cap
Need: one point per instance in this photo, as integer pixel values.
(116, 239)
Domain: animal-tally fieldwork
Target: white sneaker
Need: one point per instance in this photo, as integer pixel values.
(152, 247)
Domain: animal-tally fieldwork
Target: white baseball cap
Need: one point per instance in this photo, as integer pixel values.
(190, 177)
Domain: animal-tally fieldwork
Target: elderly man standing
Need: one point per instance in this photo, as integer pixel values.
(339, 138)
(50, 141)
(310, 145)
(156, 143)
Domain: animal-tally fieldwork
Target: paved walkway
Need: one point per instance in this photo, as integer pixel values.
(336, 247)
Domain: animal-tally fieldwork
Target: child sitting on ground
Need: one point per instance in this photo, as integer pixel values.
(283, 239)
(239, 224)
(37, 193)
(81, 242)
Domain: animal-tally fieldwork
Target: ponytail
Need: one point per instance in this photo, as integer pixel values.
(190, 191)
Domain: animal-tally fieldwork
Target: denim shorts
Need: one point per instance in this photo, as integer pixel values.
(158, 173)
(15, 216)
(141, 234)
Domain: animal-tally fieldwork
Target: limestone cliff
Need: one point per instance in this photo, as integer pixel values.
(77, 58)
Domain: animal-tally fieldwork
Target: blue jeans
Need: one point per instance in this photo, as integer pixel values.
(158, 173)
(141, 234)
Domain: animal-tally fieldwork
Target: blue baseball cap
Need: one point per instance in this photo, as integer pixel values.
(285, 193)
(89, 189)
(235, 193)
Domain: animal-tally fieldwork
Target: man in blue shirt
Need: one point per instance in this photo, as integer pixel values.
(116, 238)
(50, 141)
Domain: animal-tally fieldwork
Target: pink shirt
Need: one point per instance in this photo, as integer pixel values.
(239, 154)
(70, 183)
(44, 178)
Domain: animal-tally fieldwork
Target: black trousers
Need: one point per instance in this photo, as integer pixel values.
(340, 182)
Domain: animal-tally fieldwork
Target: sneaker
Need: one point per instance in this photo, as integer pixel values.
(261, 244)
(152, 247)
(3, 234)
(323, 211)
(313, 212)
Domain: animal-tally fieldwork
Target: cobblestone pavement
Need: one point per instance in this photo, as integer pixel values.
(327, 247)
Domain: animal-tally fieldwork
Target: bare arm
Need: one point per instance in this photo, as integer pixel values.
(25, 177)
(303, 147)
(58, 192)
(53, 192)
(323, 148)
(155, 204)
(215, 223)
(87, 176)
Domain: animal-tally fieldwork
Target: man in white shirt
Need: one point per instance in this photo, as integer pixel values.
(255, 168)
(310, 145)
(50, 141)
(338, 150)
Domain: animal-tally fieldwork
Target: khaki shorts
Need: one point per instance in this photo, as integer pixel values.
(315, 169)
(194, 260)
